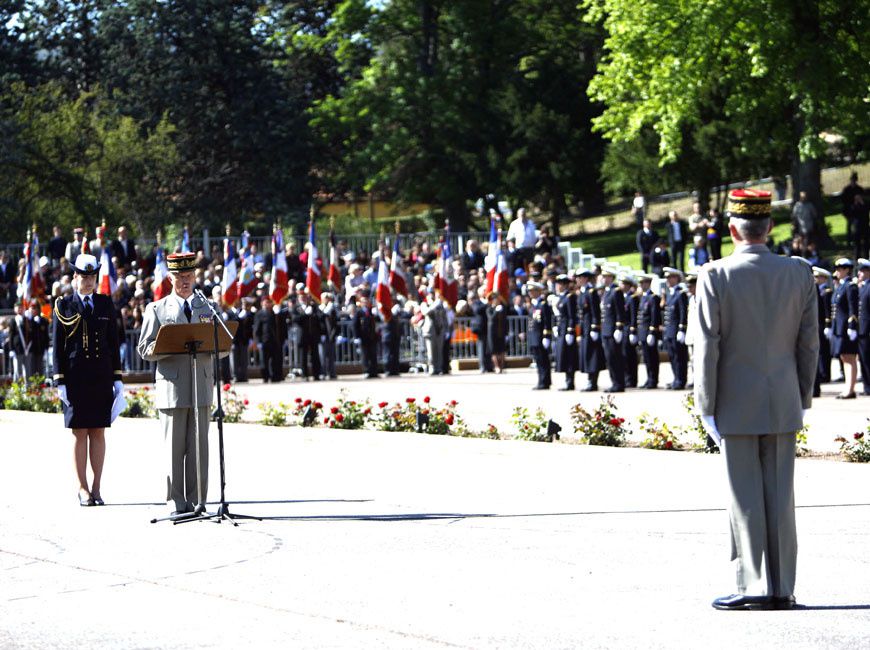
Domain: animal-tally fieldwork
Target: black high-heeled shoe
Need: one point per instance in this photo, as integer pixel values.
(98, 501)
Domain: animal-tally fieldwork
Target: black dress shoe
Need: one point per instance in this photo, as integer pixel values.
(590, 389)
(614, 389)
(846, 396)
(782, 602)
(742, 602)
(567, 387)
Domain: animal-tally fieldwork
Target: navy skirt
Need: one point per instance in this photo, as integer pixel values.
(842, 345)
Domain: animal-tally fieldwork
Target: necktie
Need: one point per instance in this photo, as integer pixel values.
(89, 309)
(187, 311)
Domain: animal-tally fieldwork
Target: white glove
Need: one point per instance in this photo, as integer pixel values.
(308, 310)
(593, 336)
(569, 339)
(357, 341)
(61, 393)
(650, 340)
(323, 338)
(617, 336)
(709, 422)
(546, 344)
(276, 309)
(340, 339)
(681, 337)
(852, 335)
(117, 388)
(827, 332)
(632, 339)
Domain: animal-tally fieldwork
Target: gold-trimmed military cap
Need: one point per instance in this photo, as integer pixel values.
(749, 204)
(179, 262)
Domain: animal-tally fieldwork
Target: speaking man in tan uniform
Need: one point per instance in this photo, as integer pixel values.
(174, 397)
(756, 350)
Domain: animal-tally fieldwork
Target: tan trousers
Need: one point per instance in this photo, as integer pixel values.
(763, 536)
(180, 447)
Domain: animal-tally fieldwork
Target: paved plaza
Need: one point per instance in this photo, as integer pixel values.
(398, 540)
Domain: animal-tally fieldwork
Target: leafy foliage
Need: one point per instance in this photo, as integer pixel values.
(530, 426)
(601, 426)
(31, 395)
(140, 404)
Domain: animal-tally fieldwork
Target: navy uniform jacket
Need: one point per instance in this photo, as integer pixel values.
(87, 359)
(649, 316)
(566, 322)
(825, 295)
(270, 328)
(478, 320)
(309, 324)
(613, 315)
(632, 308)
(540, 323)
(844, 308)
(676, 312)
(864, 310)
(364, 326)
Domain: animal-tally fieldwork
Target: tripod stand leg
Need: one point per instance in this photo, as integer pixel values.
(200, 505)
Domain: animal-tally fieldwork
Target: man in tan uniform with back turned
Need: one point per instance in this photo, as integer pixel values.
(756, 350)
(174, 386)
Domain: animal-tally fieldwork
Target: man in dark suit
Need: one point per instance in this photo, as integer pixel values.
(270, 332)
(8, 280)
(57, 246)
(678, 235)
(565, 331)
(589, 316)
(36, 329)
(124, 249)
(242, 340)
(365, 333)
(540, 334)
(306, 316)
(824, 290)
(479, 329)
(613, 320)
(629, 343)
(645, 241)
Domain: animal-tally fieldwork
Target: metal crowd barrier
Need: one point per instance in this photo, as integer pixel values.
(463, 345)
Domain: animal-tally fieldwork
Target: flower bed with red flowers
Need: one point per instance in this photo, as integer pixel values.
(856, 450)
(601, 426)
(348, 413)
(31, 395)
(140, 403)
(233, 404)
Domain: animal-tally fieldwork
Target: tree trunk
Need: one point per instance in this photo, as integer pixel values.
(459, 216)
(806, 176)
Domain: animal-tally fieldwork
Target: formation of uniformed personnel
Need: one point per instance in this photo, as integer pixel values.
(589, 315)
(565, 326)
(676, 315)
(613, 321)
(649, 329)
(540, 334)
(187, 479)
(629, 343)
(87, 371)
(844, 324)
(864, 321)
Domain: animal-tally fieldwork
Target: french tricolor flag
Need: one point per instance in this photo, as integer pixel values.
(108, 275)
(278, 286)
(312, 275)
(247, 277)
(229, 287)
(382, 292)
(333, 276)
(398, 276)
(161, 285)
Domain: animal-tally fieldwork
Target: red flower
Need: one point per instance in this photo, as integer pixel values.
(318, 405)
(298, 400)
(333, 410)
(367, 411)
(227, 386)
(245, 401)
(306, 402)
(426, 399)
(453, 402)
(325, 420)
(621, 420)
(382, 404)
(146, 388)
(449, 419)
(858, 436)
(669, 445)
(614, 422)
(339, 418)
(410, 400)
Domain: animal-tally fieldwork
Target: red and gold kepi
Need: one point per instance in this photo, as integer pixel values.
(178, 262)
(748, 204)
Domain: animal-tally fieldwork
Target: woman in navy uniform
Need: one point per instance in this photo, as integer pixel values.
(539, 332)
(87, 371)
(844, 324)
(589, 316)
(649, 327)
(676, 318)
(565, 336)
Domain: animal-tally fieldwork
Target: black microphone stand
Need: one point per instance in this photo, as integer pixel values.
(223, 511)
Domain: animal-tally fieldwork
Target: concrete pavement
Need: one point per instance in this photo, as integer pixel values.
(393, 540)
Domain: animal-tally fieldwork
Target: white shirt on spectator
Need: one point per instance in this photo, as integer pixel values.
(523, 232)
